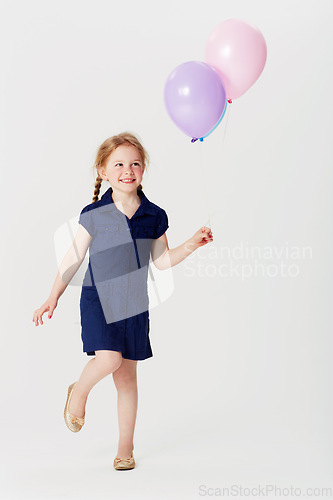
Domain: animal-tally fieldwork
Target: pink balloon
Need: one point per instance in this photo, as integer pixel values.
(238, 51)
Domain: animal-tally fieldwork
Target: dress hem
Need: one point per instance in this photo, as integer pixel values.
(139, 357)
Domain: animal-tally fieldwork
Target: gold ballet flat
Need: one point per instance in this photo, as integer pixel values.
(73, 423)
(124, 463)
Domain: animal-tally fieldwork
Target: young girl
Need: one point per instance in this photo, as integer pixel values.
(122, 230)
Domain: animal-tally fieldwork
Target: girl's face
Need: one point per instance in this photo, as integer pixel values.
(124, 163)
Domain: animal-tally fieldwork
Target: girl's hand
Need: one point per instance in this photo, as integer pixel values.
(49, 305)
(202, 236)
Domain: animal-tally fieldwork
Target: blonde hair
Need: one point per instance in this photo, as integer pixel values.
(108, 146)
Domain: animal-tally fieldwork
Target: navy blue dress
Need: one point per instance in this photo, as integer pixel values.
(114, 303)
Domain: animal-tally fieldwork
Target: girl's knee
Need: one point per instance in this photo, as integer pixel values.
(126, 375)
(108, 361)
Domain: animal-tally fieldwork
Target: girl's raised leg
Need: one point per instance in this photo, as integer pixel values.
(104, 363)
(125, 380)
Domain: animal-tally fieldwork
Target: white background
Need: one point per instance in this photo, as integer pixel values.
(238, 391)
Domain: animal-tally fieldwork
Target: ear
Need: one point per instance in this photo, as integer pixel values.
(102, 174)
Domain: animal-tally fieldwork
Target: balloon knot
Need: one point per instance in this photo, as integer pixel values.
(194, 139)
(201, 139)
(229, 101)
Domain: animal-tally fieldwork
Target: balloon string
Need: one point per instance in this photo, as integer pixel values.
(202, 173)
(226, 122)
(203, 170)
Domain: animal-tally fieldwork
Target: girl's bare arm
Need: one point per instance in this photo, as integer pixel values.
(164, 258)
(67, 269)
(71, 262)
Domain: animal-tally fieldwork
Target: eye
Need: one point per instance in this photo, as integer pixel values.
(135, 163)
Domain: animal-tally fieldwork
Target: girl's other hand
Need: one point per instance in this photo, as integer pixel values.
(203, 236)
(49, 305)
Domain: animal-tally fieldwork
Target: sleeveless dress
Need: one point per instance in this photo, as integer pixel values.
(114, 303)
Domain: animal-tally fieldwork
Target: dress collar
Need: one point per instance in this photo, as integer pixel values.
(107, 203)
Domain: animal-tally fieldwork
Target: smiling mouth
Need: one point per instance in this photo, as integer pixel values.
(127, 181)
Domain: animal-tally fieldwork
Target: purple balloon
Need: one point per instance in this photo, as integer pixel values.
(194, 97)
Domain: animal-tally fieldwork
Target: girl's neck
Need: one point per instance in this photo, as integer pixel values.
(125, 199)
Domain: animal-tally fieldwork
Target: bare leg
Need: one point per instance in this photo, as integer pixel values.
(104, 363)
(125, 380)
